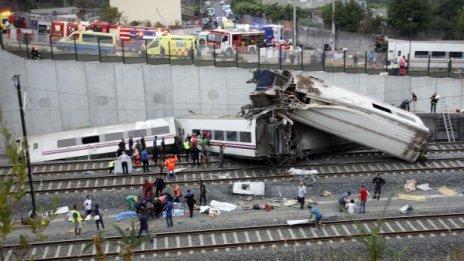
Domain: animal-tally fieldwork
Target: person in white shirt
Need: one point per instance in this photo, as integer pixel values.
(351, 206)
(301, 194)
(88, 205)
(125, 163)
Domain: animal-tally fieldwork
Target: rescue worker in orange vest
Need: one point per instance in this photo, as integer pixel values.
(136, 157)
(177, 193)
(170, 164)
(162, 199)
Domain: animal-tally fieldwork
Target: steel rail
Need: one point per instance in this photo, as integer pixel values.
(254, 228)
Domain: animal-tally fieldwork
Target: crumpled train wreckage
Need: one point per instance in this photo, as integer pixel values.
(306, 115)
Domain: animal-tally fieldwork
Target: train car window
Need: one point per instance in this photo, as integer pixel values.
(160, 130)
(206, 132)
(398, 54)
(35, 146)
(66, 143)
(438, 54)
(231, 135)
(218, 135)
(196, 132)
(456, 55)
(114, 136)
(245, 137)
(421, 54)
(90, 139)
(378, 107)
(140, 133)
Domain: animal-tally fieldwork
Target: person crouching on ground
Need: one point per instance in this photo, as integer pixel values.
(317, 215)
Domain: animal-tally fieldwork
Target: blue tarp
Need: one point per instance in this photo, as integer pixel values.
(124, 215)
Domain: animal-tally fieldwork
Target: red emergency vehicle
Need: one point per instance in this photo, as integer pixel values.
(226, 42)
(62, 29)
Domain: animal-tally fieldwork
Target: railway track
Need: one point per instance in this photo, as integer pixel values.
(101, 164)
(247, 238)
(232, 174)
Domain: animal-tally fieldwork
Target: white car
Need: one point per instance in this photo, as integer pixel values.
(222, 2)
(211, 11)
(224, 7)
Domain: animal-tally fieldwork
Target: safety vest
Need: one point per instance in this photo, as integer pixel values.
(79, 218)
(111, 164)
(186, 145)
(177, 192)
(170, 164)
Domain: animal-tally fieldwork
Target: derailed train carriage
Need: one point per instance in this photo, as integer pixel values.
(316, 103)
(263, 135)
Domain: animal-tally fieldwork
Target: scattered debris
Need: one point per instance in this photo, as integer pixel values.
(406, 209)
(204, 209)
(175, 213)
(410, 185)
(290, 202)
(446, 191)
(89, 172)
(248, 188)
(268, 207)
(411, 197)
(424, 187)
(249, 198)
(62, 210)
(213, 212)
(325, 193)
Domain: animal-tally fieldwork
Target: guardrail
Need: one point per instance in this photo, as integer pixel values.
(131, 52)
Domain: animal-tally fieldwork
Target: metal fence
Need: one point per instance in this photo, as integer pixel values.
(131, 52)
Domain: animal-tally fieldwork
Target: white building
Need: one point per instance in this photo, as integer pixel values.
(167, 12)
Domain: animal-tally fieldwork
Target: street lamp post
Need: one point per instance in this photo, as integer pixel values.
(17, 85)
(410, 40)
(294, 24)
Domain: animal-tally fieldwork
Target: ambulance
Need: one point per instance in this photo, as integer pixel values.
(4, 17)
(172, 45)
(88, 42)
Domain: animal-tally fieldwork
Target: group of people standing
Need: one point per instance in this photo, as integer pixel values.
(343, 200)
(91, 212)
(346, 203)
(195, 147)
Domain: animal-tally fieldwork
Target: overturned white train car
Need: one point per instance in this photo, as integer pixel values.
(343, 113)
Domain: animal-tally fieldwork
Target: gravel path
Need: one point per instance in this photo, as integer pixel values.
(427, 248)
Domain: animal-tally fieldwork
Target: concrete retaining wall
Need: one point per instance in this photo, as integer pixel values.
(66, 95)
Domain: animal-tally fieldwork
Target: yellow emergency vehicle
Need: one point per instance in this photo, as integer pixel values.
(173, 45)
(3, 18)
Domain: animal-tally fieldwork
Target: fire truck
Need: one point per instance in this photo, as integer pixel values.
(62, 29)
(227, 42)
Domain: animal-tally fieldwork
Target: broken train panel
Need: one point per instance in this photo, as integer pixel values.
(316, 103)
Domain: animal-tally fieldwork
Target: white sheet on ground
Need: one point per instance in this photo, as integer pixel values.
(302, 171)
(297, 222)
(204, 208)
(224, 206)
(248, 188)
(424, 187)
(62, 210)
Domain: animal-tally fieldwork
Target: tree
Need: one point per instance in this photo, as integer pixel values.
(460, 20)
(12, 191)
(110, 14)
(399, 11)
(348, 15)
